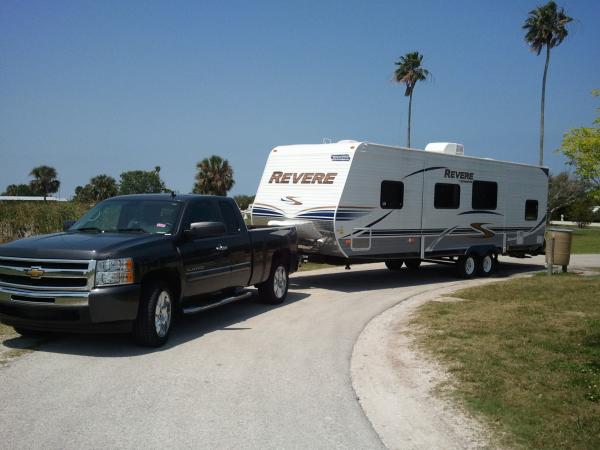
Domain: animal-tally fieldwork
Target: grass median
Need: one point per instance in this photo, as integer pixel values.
(586, 240)
(525, 355)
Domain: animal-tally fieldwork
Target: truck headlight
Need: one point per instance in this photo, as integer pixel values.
(110, 272)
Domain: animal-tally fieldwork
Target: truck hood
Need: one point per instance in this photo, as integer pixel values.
(77, 245)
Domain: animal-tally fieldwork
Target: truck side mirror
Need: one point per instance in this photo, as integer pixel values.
(205, 229)
(68, 224)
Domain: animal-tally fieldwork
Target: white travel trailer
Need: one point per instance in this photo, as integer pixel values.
(361, 201)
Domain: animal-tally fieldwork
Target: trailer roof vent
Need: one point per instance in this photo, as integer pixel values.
(448, 148)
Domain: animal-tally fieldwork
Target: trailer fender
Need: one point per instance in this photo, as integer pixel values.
(482, 250)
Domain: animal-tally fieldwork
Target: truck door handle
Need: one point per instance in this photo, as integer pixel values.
(221, 247)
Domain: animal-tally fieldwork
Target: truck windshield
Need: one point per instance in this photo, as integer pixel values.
(130, 216)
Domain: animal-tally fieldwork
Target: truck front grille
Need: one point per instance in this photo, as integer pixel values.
(47, 274)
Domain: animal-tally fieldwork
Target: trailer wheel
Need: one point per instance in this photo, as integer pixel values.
(467, 266)
(394, 264)
(412, 264)
(274, 290)
(486, 265)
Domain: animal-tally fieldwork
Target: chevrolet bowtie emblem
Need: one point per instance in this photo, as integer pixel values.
(35, 272)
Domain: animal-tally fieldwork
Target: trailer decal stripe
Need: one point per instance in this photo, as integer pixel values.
(423, 170)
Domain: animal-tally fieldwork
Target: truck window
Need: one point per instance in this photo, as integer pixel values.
(230, 217)
(485, 195)
(392, 194)
(447, 196)
(201, 211)
(531, 210)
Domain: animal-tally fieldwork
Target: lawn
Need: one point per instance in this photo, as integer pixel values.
(585, 240)
(525, 356)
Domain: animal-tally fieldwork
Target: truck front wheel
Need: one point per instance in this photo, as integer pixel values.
(274, 290)
(155, 315)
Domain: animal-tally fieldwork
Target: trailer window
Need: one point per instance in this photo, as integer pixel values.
(531, 210)
(392, 194)
(447, 196)
(485, 195)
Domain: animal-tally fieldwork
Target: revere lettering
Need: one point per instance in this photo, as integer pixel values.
(460, 175)
(329, 178)
(307, 178)
(303, 177)
(275, 176)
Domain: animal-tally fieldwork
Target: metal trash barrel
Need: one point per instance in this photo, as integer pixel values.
(558, 247)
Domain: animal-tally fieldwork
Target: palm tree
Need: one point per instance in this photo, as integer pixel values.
(546, 27)
(45, 181)
(409, 72)
(103, 187)
(214, 176)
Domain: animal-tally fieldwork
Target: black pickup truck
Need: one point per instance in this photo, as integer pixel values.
(131, 263)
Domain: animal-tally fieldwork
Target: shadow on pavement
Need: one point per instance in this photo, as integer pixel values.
(359, 279)
(188, 328)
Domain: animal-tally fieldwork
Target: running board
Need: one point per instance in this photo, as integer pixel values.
(197, 309)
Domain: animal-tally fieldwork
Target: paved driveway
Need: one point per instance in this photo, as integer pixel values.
(243, 376)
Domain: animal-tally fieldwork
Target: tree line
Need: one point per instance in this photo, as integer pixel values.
(214, 176)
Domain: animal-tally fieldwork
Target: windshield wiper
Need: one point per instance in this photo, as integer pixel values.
(96, 229)
(132, 229)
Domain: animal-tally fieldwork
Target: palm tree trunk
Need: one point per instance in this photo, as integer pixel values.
(543, 104)
(409, 116)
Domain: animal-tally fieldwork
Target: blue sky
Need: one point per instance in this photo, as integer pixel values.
(96, 87)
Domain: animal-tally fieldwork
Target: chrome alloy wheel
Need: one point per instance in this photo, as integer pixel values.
(469, 265)
(486, 264)
(162, 314)
(279, 282)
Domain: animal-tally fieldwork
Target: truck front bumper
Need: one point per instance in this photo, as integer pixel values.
(101, 309)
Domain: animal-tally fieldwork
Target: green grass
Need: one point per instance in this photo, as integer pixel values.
(21, 219)
(585, 240)
(525, 355)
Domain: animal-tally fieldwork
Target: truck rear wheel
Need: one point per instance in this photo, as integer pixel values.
(394, 264)
(155, 315)
(467, 266)
(274, 290)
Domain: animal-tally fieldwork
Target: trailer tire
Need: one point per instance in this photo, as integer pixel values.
(486, 264)
(412, 264)
(467, 265)
(394, 264)
(274, 290)
(155, 316)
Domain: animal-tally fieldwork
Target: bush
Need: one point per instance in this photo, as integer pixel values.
(21, 219)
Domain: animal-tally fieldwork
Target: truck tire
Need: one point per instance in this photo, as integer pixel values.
(467, 266)
(155, 315)
(412, 264)
(486, 265)
(274, 290)
(394, 264)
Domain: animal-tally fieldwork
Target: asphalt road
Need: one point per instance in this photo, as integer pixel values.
(243, 376)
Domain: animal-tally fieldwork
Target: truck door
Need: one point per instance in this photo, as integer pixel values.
(207, 267)
(238, 243)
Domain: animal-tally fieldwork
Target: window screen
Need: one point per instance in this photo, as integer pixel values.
(531, 210)
(230, 217)
(392, 194)
(485, 195)
(447, 196)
